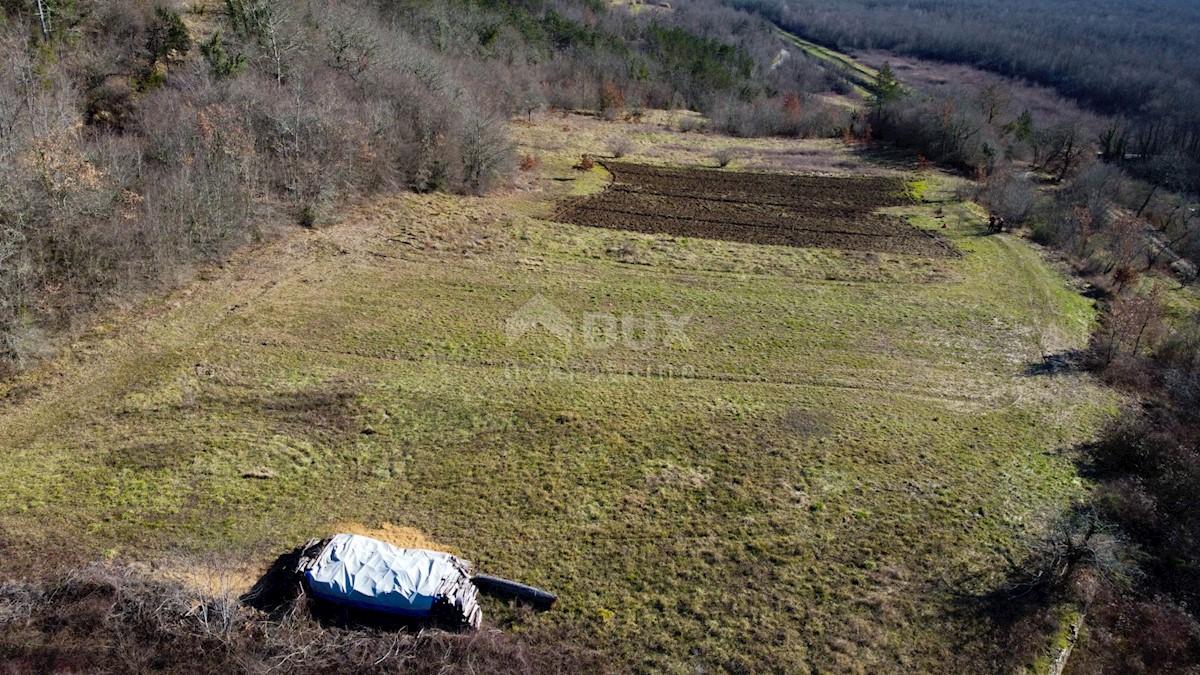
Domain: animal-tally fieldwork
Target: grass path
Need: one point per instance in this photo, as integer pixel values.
(801, 481)
(861, 76)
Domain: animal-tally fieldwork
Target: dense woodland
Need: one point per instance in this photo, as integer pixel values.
(1133, 60)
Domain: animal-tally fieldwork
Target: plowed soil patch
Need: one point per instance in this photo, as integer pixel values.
(756, 208)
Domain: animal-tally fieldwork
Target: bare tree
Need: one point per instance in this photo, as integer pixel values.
(271, 25)
(1127, 239)
(993, 101)
(1076, 540)
(44, 19)
(1133, 326)
(352, 48)
(1063, 146)
(487, 152)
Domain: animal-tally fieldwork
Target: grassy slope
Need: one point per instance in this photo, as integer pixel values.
(856, 430)
(861, 76)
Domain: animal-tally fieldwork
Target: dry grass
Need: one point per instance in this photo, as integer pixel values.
(658, 141)
(116, 619)
(396, 535)
(1046, 105)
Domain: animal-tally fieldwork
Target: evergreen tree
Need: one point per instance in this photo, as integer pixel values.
(167, 34)
(885, 89)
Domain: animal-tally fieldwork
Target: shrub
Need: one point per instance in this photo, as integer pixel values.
(1011, 196)
(220, 62)
(943, 126)
(530, 163)
(153, 78)
(619, 146)
(1128, 635)
(308, 217)
(778, 117)
(724, 156)
(688, 123)
(612, 99)
(111, 104)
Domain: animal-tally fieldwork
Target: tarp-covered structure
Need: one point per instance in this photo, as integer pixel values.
(369, 574)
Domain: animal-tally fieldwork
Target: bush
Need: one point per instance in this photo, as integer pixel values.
(687, 123)
(784, 116)
(220, 62)
(1179, 358)
(1148, 465)
(619, 146)
(724, 156)
(1012, 196)
(1129, 635)
(308, 217)
(1045, 232)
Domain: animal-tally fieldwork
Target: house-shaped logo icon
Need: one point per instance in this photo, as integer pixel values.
(539, 312)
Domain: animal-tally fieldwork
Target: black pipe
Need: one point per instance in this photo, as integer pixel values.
(505, 589)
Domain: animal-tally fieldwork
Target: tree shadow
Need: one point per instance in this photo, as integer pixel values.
(1019, 616)
(1001, 627)
(278, 589)
(1067, 361)
(1094, 292)
(886, 155)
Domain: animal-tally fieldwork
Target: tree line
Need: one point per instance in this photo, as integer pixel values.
(1128, 553)
(1135, 61)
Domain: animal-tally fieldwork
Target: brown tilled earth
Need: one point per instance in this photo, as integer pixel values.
(756, 208)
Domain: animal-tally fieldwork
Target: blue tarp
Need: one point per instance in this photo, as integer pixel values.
(372, 574)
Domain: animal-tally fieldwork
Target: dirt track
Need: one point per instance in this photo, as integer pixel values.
(756, 208)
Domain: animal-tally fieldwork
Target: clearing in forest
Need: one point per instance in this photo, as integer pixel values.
(778, 458)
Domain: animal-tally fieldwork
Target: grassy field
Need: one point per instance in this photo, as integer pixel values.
(792, 460)
(861, 76)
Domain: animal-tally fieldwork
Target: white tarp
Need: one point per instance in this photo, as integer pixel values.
(372, 574)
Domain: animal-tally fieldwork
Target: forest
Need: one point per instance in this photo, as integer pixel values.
(1136, 61)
